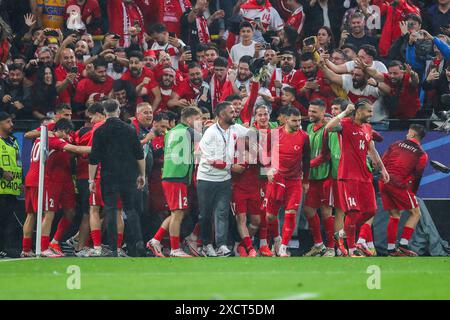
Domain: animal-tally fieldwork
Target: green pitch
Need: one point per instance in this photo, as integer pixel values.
(226, 278)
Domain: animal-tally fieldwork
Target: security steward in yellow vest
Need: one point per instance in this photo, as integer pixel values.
(10, 187)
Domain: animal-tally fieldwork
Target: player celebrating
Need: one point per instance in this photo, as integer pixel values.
(59, 191)
(319, 184)
(356, 191)
(405, 161)
(177, 176)
(288, 174)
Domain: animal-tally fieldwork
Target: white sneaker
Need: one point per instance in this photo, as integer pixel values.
(72, 242)
(27, 254)
(83, 253)
(155, 246)
(95, 252)
(50, 254)
(223, 251)
(178, 253)
(121, 253)
(329, 253)
(282, 252)
(209, 251)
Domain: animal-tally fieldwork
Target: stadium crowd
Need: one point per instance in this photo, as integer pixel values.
(232, 82)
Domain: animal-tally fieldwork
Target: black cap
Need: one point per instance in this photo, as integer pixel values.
(4, 116)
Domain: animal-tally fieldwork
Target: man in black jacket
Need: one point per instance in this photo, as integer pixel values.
(16, 96)
(117, 148)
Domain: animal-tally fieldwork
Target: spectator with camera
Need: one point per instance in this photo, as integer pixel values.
(163, 41)
(16, 96)
(89, 11)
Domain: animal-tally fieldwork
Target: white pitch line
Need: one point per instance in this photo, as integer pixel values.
(301, 296)
(18, 259)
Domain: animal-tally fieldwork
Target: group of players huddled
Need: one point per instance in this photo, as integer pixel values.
(330, 166)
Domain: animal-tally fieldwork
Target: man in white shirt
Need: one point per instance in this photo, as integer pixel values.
(246, 46)
(217, 148)
(359, 86)
(163, 42)
(367, 54)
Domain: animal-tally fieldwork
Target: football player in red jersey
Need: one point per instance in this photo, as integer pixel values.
(405, 161)
(356, 190)
(288, 174)
(59, 191)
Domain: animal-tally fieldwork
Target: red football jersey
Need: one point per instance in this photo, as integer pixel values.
(405, 162)
(354, 147)
(293, 156)
(247, 181)
(58, 167)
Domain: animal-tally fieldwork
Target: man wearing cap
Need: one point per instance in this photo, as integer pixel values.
(10, 182)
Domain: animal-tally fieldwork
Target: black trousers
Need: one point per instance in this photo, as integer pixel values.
(10, 229)
(128, 194)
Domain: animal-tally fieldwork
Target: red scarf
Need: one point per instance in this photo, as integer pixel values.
(219, 91)
(252, 4)
(202, 29)
(4, 51)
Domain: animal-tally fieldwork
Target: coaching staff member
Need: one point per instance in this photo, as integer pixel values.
(117, 149)
(10, 183)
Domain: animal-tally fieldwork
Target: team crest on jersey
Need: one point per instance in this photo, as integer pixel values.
(296, 147)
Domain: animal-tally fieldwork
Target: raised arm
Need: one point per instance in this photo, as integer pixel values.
(335, 123)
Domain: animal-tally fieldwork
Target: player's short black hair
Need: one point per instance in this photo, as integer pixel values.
(292, 112)
(221, 62)
(233, 97)
(96, 107)
(362, 103)
(161, 116)
(62, 106)
(64, 124)
(419, 129)
(318, 102)
(369, 50)
(283, 110)
(245, 24)
(14, 67)
(136, 54)
(204, 110)
(341, 102)
(220, 107)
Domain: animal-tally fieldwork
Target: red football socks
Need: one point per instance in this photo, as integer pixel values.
(392, 228)
(314, 227)
(350, 228)
(274, 228)
(26, 244)
(63, 225)
(196, 230)
(160, 234)
(288, 228)
(329, 231)
(263, 227)
(119, 240)
(406, 235)
(96, 236)
(174, 243)
(45, 240)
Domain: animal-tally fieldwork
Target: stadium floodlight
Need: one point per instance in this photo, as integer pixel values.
(43, 153)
